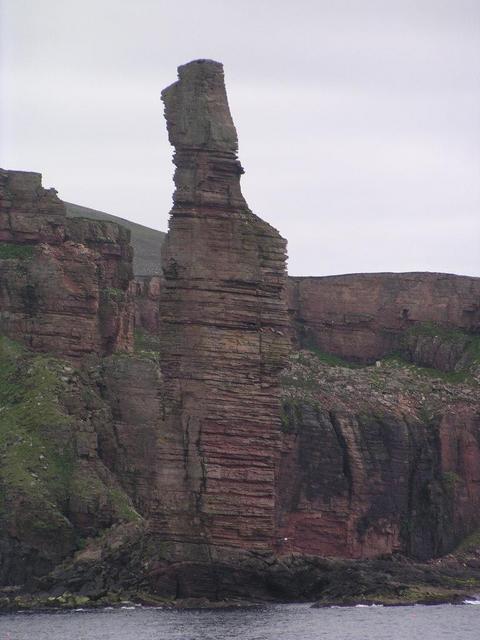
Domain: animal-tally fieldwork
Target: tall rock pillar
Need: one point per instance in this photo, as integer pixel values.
(224, 336)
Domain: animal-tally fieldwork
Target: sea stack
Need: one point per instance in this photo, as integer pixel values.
(223, 332)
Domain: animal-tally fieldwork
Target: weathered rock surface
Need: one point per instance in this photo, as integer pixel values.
(378, 460)
(429, 318)
(129, 443)
(146, 242)
(146, 295)
(211, 461)
(223, 332)
(129, 562)
(64, 284)
(55, 490)
(362, 317)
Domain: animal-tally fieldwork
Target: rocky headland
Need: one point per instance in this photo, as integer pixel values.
(214, 429)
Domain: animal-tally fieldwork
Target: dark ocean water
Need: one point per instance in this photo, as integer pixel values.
(273, 622)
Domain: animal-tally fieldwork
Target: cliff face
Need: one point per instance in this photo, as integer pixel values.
(129, 443)
(382, 459)
(146, 243)
(427, 317)
(362, 317)
(146, 294)
(378, 460)
(56, 487)
(63, 283)
(212, 459)
(223, 332)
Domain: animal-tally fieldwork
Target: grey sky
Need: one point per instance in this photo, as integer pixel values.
(358, 121)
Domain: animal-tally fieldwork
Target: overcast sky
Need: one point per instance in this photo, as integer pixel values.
(358, 121)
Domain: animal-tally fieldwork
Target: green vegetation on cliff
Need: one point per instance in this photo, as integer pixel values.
(36, 447)
(330, 359)
(50, 474)
(15, 251)
(32, 422)
(434, 330)
(442, 350)
(111, 293)
(146, 343)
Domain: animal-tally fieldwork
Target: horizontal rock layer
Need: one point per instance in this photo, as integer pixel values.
(64, 284)
(223, 332)
(362, 317)
(182, 455)
(378, 460)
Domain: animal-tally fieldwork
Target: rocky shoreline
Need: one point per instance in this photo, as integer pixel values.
(68, 601)
(392, 581)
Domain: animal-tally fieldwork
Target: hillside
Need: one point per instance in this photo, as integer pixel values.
(146, 242)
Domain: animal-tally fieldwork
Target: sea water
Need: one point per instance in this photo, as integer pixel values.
(269, 622)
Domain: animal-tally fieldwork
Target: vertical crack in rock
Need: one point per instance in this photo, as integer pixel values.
(342, 441)
(223, 331)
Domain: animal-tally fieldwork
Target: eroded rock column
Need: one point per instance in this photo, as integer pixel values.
(223, 332)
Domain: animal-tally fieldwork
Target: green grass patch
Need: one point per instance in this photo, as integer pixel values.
(146, 342)
(450, 481)
(470, 543)
(123, 507)
(433, 330)
(35, 442)
(14, 251)
(36, 448)
(397, 360)
(111, 293)
(290, 416)
(90, 492)
(332, 360)
(42, 479)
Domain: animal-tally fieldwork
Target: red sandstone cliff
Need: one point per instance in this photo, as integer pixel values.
(211, 433)
(362, 317)
(223, 332)
(146, 295)
(63, 283)
(378, 460)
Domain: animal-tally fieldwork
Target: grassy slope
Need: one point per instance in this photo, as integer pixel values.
(36, 446)
(41, 472)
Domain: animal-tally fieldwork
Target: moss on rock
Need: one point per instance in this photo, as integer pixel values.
(36, 447)
(54, 489)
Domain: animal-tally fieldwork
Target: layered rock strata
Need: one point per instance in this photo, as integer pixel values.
(64, 284)
(199, 437)
(430, 318)
(129, 441)
(223, 332)
(362, 317)
(378, 460)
